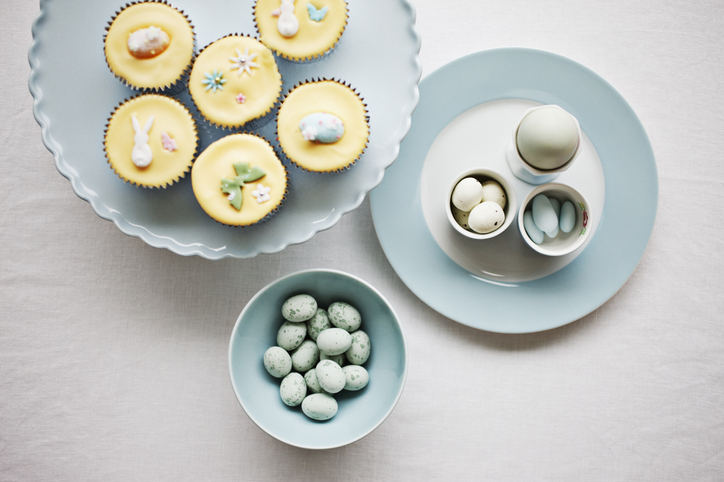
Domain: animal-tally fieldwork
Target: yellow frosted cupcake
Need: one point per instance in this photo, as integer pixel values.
(301, 30)
(239, 180)
(150, 46)
(235, 82)
(322, 126)
(151, 140)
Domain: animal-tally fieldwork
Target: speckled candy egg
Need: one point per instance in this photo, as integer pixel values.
(486, 217)
(277, 362)
(356, 378)
(493, 191)
(318, 323)
(291, 335)
(334, 341)
(467, 194)
(360, 348)
(340, 359)
(310, 378)
(345, 316)
(319, 406)
(293, 389)
(299, 308)
(331, 377)
(461, 217)
(306, 356)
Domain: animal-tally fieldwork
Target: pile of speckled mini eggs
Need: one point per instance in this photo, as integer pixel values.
(318, 353)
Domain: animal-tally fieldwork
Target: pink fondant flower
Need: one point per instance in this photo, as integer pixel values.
(240, 98)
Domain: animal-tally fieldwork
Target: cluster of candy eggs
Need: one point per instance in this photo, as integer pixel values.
(479, 206)
(319, 353)
(548, 217)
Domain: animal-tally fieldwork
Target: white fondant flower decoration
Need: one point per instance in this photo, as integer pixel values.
(243, 62)
(309, 133)
(153, 33)
(261, 193)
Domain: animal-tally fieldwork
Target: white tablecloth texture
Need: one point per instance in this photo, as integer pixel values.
(113, 354)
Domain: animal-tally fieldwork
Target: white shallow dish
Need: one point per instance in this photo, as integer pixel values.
(75, 93)
(548, 295)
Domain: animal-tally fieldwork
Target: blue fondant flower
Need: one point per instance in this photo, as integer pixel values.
(214, 81)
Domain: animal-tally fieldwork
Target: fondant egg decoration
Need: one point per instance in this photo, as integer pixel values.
(147, 43)
(322, 127)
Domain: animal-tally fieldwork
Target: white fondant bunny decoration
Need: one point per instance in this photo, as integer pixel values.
(141, 154)
(287, 24)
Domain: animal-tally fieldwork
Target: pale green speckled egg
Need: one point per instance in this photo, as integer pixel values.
(291, 335)
(360, 348)
(345, 316)
(319, 406)
(340, 359)
(293, 389)
(305, 356)
(318, 323)
(311, 380)
(299, 308)
(277, 362)
(331, 377)
(356, 377)
(334, 341)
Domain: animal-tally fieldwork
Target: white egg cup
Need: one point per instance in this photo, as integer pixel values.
(482, 175)
(524, 171)
(563, 243)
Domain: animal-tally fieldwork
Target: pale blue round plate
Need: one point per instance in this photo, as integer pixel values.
(75, 93)
(630, 197)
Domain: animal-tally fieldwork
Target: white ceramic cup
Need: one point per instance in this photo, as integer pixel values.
(524, 171)
(482, 175)
(562, 243)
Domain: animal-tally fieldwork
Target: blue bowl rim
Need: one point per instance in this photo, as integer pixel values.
(341, 273)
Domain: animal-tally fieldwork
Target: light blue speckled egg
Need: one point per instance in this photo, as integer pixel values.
(345, 316)
(306, 356)
(331, 377)
(319, 406)
(318, 323)
(322, 127)
(293, 389)
(299, 308)
(356, 377)
(312, 382)
(291, 335)
(360, 348)
(340, 359)
(334, 341)
(277, 362)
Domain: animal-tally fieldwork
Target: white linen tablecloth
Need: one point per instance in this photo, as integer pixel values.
(113, 354)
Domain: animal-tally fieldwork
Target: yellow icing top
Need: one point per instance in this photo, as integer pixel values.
(157, 72)
(260, 86)
(217, 163)
(312, 39)
(324, 96)
(170, 116)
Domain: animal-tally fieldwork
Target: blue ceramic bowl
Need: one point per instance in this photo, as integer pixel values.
(359, 412)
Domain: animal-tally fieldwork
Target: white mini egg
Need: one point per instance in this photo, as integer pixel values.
(467, 194)
(334, 341)
(291, 335)
(293, 389)
(345, 316)
(360, 348)
(306, 356)
(486, 217)
(319, 406)
(340, 359)
(277, 362)
(461, 217)
(331, 377)
(312, 382)
(356, 377)
(299, 308)
(493, 191)
(318, 323)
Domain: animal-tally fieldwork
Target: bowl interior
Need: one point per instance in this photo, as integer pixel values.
(563, 243)
(359, 412)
